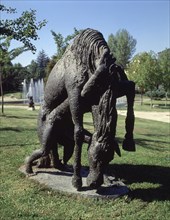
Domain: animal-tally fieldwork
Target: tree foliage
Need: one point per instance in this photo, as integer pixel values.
(23, 28)
(144, 71)
(7, 68)
(164, 63)
(122, 45)
(38, 68)
(42, 62)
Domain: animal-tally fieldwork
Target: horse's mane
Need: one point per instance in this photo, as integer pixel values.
(88, 46)
(106, 124)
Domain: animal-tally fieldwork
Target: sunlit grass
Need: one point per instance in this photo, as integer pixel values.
(146, 172)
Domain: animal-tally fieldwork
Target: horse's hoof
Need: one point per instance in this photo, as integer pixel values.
(77, 182)
(129, 145)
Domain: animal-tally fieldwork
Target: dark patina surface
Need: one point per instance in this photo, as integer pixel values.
(85, 79)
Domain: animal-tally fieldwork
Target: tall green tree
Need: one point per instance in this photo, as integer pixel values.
(32, 69)
(38, 68)
(144, 71)
(164, 63)
(123, 46)
(17, 76)
(42, 62)
(6, 56)
(23, 29)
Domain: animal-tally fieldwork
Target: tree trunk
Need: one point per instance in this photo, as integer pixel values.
(141, 98)
(2, 95)
(151, 99)
(166, 98)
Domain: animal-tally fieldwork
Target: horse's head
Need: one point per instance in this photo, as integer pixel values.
(103, 145)
(99, 155)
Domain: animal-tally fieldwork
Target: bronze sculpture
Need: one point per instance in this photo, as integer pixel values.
(76, 84)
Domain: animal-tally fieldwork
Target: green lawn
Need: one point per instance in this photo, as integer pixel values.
(157, 105)
(146, 172)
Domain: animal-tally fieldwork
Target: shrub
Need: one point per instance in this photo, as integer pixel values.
(156, 94)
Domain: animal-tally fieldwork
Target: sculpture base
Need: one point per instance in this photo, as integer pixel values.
(61, 181)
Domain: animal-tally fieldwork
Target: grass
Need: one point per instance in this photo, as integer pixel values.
(146, 172)
(17, 95)
(157, 105)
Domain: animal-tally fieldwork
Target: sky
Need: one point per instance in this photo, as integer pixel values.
(148, 21)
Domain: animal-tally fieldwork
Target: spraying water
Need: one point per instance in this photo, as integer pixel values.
(34, 89)
(24, 91)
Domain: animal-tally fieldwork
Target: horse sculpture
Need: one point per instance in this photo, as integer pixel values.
(75, 86)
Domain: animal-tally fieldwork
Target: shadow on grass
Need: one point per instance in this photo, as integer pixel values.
(145, 176)
(20, 117)
(148, 144)
(17, 129)
(18, 144)
(10, 129)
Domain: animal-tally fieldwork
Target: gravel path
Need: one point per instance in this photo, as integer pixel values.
(156, 116)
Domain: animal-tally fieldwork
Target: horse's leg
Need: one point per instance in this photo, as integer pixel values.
(129, 91)
(56, 163)
(44, 162)
(68, 151)
(35, 156)
(77, 116)
(46, 147)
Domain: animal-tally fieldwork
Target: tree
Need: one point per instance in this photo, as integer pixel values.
(144, 71)
(42, 62)
(122, 45)
(6, 57)
(17, 76)
(32, 69)
(163, 60)
(38, 68)
(23, 29)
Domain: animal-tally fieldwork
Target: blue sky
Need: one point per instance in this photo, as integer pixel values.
(147, 21)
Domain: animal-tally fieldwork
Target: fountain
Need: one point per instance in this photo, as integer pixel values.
(34, 89)
(24, 91)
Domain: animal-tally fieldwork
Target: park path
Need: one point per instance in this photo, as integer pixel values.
(156, 116)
